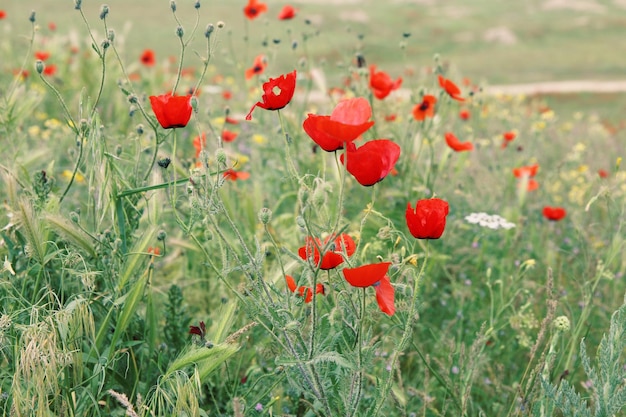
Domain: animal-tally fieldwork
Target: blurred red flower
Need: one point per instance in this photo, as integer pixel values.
(382, 84)
(147, 58)
(257, 68)
(232, 175)
(304, 291)
(373, 161)
(603, 173)
(198, 330)
(528, 171)
(50, 70)
(287, 13)
(554, 213)
(456, 145)
(254, 8)
(42, 55)
(231, 121)
(3, 14)
(333, 255)
(532, 185)
(426, 108)
(374, 275)
(465, 114)
(450, 88)
(52, 26)
(348, 121)
(171, 111)
(391, 117)
(286, 84)
(199, 143)
(227, 94)
(428, 219)
(508, 137)
(229, 136)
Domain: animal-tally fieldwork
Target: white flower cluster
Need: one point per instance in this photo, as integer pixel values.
(492, 221)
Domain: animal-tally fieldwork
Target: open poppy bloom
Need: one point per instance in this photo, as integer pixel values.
(371, 162)
(426, 108)
(228, 136)
(450, 88)
(428, 219)
(42, 55)
(348, 121)
(508, 137)
(257, 68)
(288, 12)
(456, 145)
(382, 84)
(374, 275)
(171, 111)
(286, 85)
(254, 8)
(303, 291)
(232, 175)
(526, 171)
(50, 69)
(147, 58)
(554, 213)
(333, 256)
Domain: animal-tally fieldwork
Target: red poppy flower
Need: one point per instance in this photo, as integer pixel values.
(52, 26)
(374, 275)
(332, 258)
(198, 330)
(428, 220)
(603, 173)
(371, 162)
(227, 94)
(456, 145)
(526, 171)
(288, 12)
(228, 136)
(348, 121)
(382, 84)
(232, 175)
(171, 111)
(532, 185)
(554, 213)
(147, 58)
(464, 114)
(508, 137)
(42, 55)
(254, 9)
(304, 291)
(450, 88)
(199, 143)
(50, 70)
(286, 84)
(426, 108)
(231, 121)
(257, 68)
(3, 14)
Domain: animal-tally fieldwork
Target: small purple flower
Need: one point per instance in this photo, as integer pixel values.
(455, 370)
(258, 407)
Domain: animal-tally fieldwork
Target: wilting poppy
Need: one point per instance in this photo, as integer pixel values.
(382, 84)
(198, 330)
(254, 8)
(231, 121)
(171, 111)
(450, 88)
(508, 137)
(42, 55)
(257, 68)
(428, 219)
(426, 108)
(147, 58)
(526, 171)
(287, 13)
(465, 114)
(232, 175)
(456, 145)
(286, 84)
(304, 291)
(348, 121)
(371, 162)
(333, 255)
(374, 275)
(554, 213)
(229, 136)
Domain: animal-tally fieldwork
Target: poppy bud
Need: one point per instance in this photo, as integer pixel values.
(209, 29)
(104, 11)
(194, 103)
(74, 217)
(180, 31)
(32, 17)
(161, 235)
(132, 98)
(164, 163)
(265, 215)
(173, 5)
(83, 126)
(139, 129)
(118, 150)
(300, 222)
(111, 35)
(197, 5)
(220, 156)
(294, 45)
(39, 66)
(78, 4)
(105, 44)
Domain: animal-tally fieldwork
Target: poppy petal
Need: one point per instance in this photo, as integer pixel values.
(366, 275)
(385, 294)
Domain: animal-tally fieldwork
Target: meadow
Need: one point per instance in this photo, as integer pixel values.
(227, 211)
